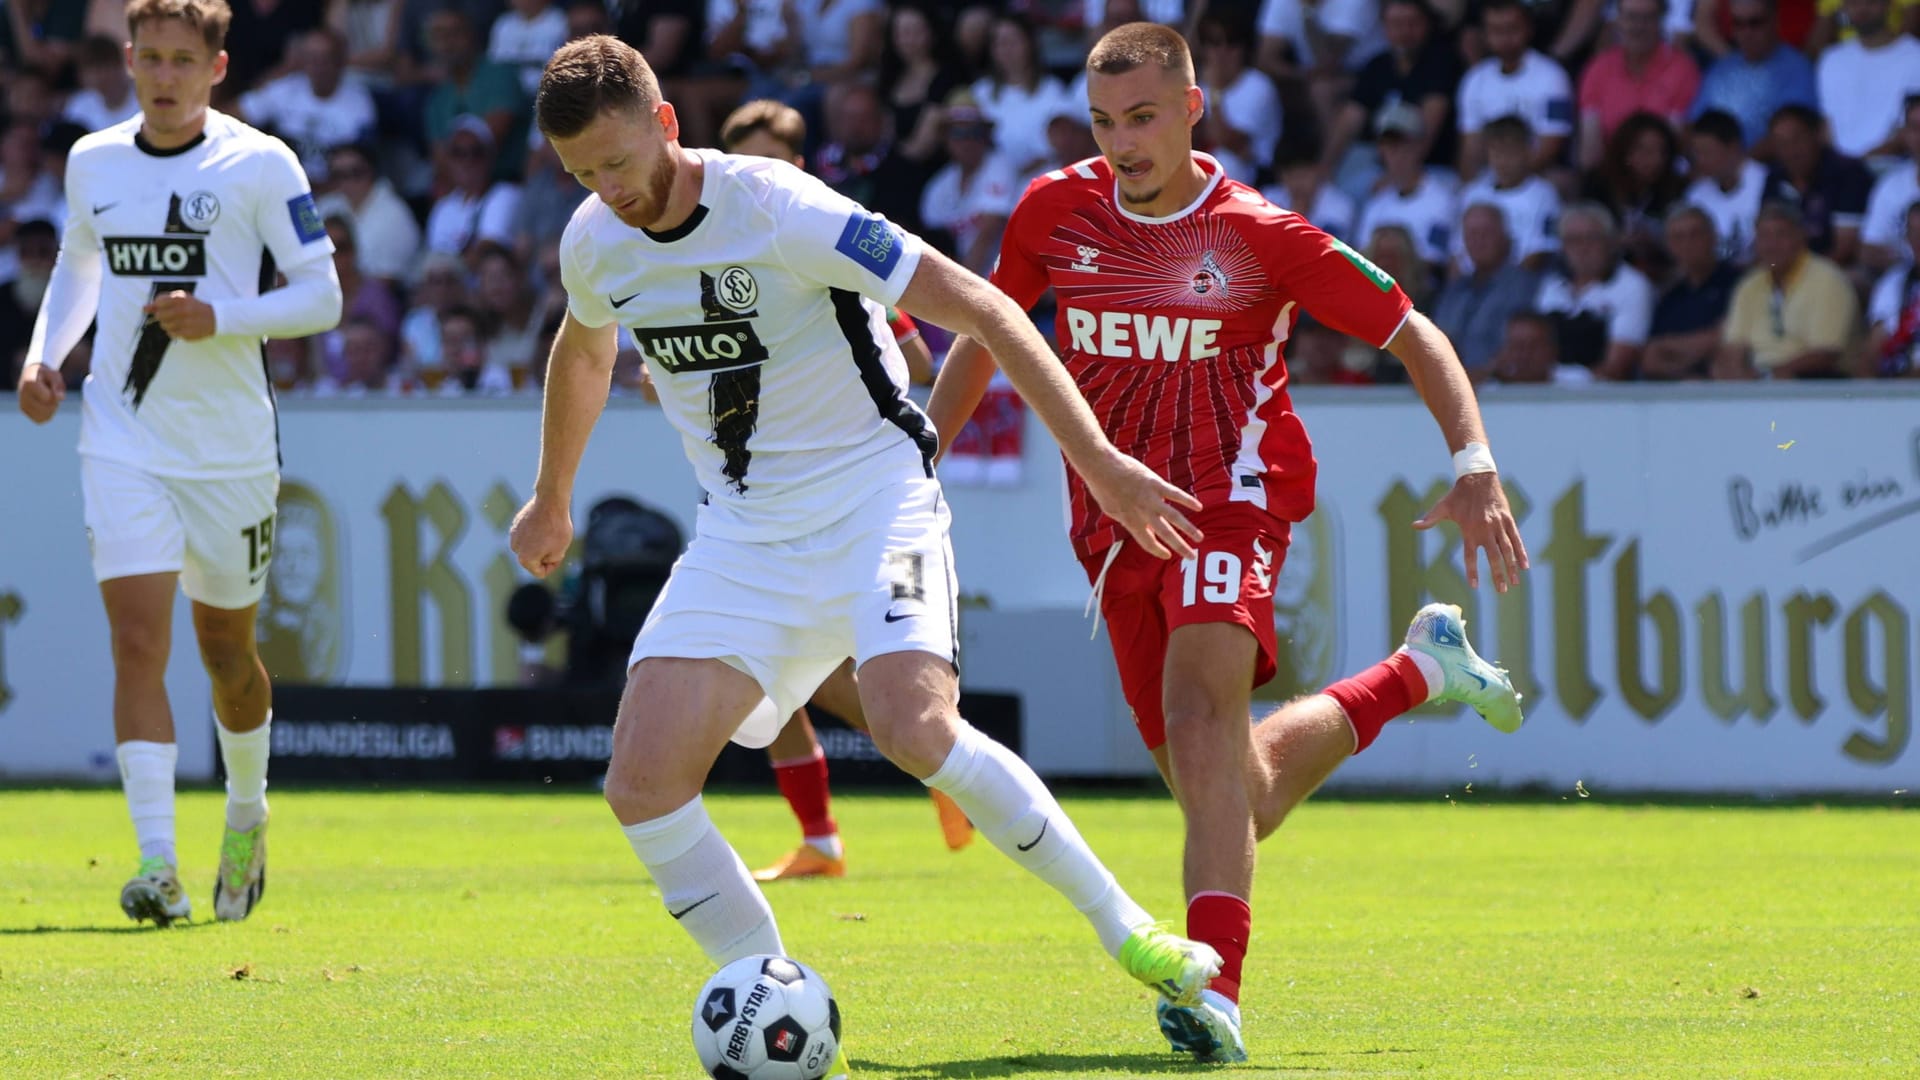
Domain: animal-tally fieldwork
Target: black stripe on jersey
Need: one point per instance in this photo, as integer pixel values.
(953, 588)
(733, 400)
(151, 347)
(269, 272)
(888, 398)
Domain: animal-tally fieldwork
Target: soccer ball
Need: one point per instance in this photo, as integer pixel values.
(766, 1018)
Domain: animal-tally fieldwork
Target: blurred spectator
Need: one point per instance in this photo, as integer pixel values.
(1515, 80)
(314, 108)
(547, 202)
(106, 94)
(918, 71)
(1728, 184)
(1529, 205)
(971, 196)
(1071, 139)
(1864, 81)
(1305, 189)
(259, 37)
(1687, 320)
(1322, 40)
(524, 36)
(368, 299)
(468, 84)
(27, 191)
(1793, 314)
(388, 235)
(1170, 12)
(40, 34)
(443, 286)
(1893, 341)
(1832, 25)
(1639, 181)
(366, 363)
(478, 208)
(1530, 353)
(1883, 230)
(513, 317)
(859, 159)
(35, 247)
(290, 364)
(1316, 356)
(1759, 76)
(1412, 196)
(31, 99)
(973, 38)
(371, 29)
(1019, 96)
(1830, 190)
(1641, 74)
(468, 370)
(1416, 68)
(1242, 120)
(1602, 307)
(840, 39)
(1474, 307)
(1392, 248)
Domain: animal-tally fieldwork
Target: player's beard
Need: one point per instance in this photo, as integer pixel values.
(653, 200)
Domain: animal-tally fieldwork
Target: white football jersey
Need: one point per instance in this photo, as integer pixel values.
(757, 319)
(216, 218)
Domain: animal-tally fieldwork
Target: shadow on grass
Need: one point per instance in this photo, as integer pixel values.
(142, 928)
(1124, 1064)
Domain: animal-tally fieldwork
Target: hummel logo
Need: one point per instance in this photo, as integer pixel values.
(1087, 255)
(892, 618)
(104, 207)
(682, 913)
(1029, 846)
(621, 302)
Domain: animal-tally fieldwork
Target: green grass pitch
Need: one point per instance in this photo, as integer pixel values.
(462, 935)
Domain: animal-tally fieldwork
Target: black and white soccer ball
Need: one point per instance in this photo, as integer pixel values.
(766, 1018)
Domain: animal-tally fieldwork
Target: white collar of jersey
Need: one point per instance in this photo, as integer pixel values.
(1207, 164)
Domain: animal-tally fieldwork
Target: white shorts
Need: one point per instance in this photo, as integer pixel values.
(216, 534)
(788, 612)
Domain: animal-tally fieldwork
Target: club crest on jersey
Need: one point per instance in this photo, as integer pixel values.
(736, 290)
(1087, 256)
(200, 210)
(1210, 278)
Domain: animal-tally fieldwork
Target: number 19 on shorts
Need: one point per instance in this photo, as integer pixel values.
(1213, 577)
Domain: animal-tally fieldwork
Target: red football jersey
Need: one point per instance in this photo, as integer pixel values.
(1173, 328)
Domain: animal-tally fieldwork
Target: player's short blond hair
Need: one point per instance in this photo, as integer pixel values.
(210, 17)
(1137, 44)
(783, 122)
(589, 76)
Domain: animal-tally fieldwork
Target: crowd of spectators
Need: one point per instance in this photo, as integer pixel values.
(1576, 190)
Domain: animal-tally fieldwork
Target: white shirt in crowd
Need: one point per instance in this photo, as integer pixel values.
(1426, 213)
(458, 219)
(1734, 213)
(1252, 105)
(1862, 90)
(960, 205)
(1624, 300)
(1333, 211)
(1170, 12)
(1886, 222)
(1357, 20)
(1020, 117)
(91, 111)
(384, 231)
(526, 44)
(766, 23)
(1532, 210)
(311, 125)
(43, 201)
(1537, 91)
(1883, 308)
(826, 28)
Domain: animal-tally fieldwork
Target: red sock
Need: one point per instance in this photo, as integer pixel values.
(1223, 921)
(1386, 690)
(804, 783)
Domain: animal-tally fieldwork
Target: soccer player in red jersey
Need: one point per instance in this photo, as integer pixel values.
(1177, 288)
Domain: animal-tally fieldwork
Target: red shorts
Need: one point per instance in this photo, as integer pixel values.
(1145, 599)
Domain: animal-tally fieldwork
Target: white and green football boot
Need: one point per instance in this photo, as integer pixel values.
(1440, 634)
(1208, 1029)
(1177, 969)
(839, 1070)
(154, 893)
(243, 872)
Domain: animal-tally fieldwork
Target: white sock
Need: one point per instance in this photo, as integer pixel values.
(1016, 812)
(146, 775)
(705, 885)
(245, 755)
(1430, 670)
(828, 845)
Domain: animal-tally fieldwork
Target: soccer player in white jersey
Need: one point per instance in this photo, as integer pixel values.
(179, 220)
(758, 297)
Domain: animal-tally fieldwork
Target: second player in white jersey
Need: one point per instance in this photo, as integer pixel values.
(216, 218)
(758, 323)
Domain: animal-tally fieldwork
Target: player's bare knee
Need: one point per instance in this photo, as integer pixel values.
(639, 794)
(917, 739)
(140, 648)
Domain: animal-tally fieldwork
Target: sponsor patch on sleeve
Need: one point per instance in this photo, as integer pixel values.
(306, 218)
(871, 243)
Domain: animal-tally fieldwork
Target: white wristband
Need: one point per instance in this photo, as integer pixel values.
(1473, 458)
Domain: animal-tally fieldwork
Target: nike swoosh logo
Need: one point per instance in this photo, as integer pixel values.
(1481, 679)
(621, 302)
(103, 208)
(891, 617)
(255, 578)
(681, 914)
(1036, 840)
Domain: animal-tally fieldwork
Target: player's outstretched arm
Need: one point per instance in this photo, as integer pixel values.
(1477, 504)
(957, 390)
(579, 375)
(945, 294)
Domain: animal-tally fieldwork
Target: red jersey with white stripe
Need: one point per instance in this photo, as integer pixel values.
(1173, 328)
